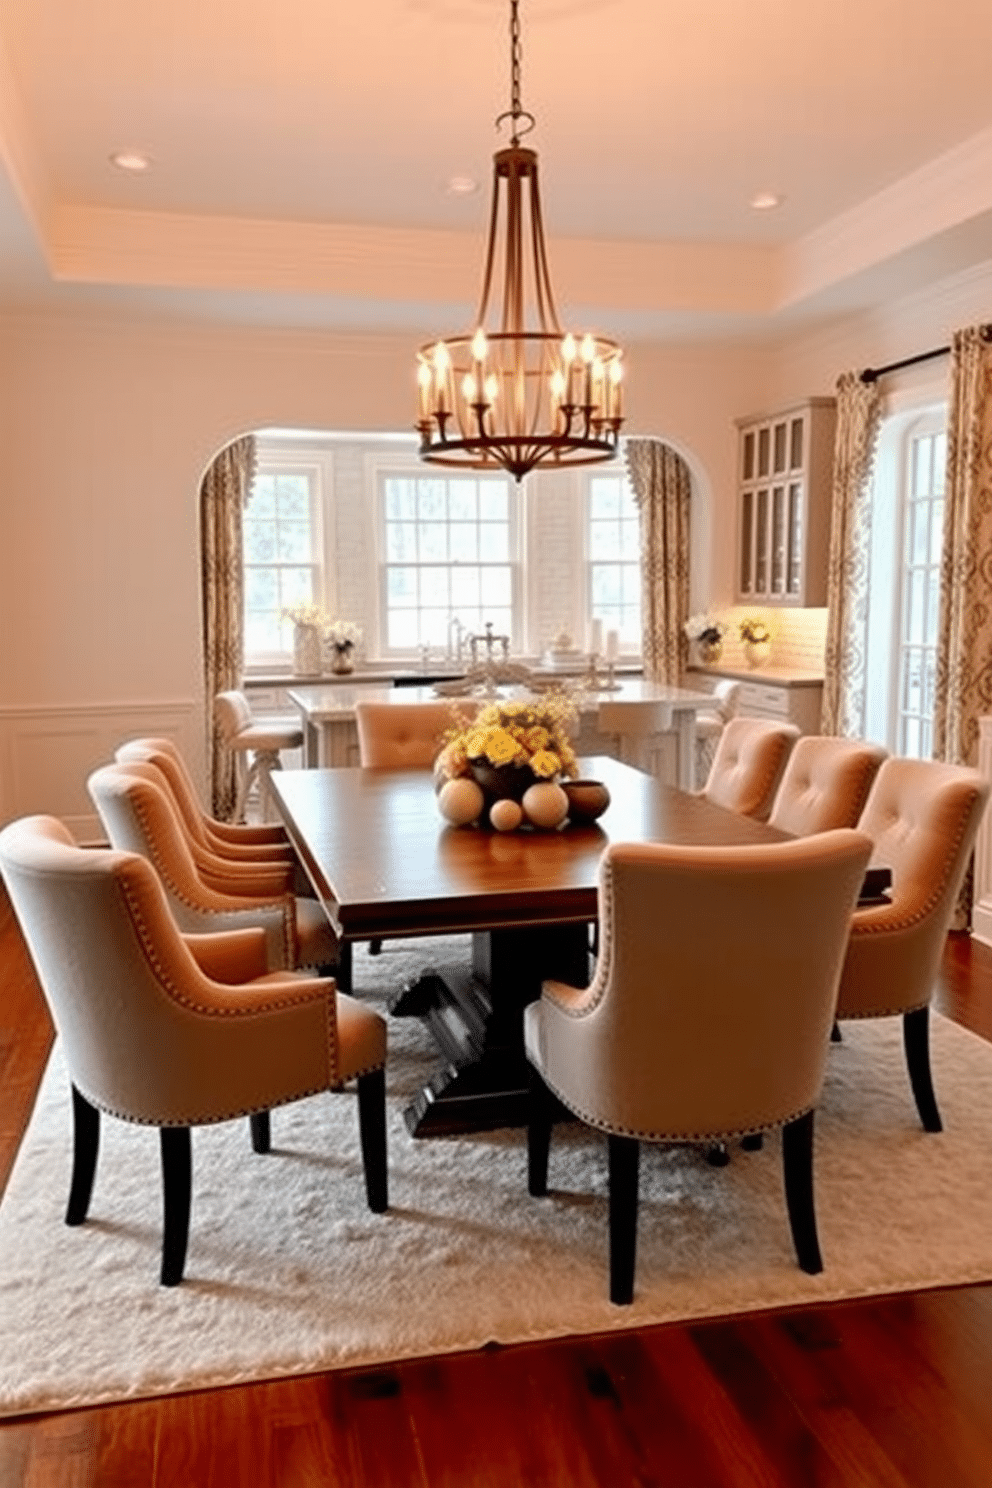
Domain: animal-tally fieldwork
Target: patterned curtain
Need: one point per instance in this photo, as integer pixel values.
(224, 490)
(858, 418)
(964, 644)
(661, 482)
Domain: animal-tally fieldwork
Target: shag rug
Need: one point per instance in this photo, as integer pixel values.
(288, 1272)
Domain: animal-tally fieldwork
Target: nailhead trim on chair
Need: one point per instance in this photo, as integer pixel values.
(286, 902)
(867, 927)
(647, 1136)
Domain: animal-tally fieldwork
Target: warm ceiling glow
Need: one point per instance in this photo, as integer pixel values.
(134, 161)
(462, 185)
(766, 201)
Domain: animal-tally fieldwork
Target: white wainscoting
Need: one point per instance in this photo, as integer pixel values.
(46, 754)
(981, 910)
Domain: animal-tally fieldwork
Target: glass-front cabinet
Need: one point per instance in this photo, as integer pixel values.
(785, 464)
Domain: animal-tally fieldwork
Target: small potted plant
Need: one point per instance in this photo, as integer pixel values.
(756, 640)
(342, 636)
(707, 634)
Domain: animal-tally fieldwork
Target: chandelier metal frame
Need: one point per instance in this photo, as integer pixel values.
(527, 394)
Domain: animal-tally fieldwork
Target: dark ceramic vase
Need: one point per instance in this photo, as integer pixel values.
(501, 782)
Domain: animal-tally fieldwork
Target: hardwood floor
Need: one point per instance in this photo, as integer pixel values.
(891, 1393)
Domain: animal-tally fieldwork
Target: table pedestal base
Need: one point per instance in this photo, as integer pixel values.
(475, 1014)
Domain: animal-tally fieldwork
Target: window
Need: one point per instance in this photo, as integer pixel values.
(904, 596)
(281, 555)
(450, 553)
(922, 542)
(615, 557)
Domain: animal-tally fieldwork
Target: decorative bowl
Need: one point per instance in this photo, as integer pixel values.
(587, 799)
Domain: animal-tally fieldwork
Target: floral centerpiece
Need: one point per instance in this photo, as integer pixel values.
(756, 639)
(342, 636)
(510, 751)
(708, 635)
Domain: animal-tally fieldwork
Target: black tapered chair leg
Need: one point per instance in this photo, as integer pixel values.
(835, 1034)
(343, 969)
(372, 1129)
(261, 1131)
(797, 1163)
(718, 1155)
(177, 1178)
(540, 1117)
(85, 1147)
(375, 946)
(624, 1164)
(753, 1142)
(916, 1042)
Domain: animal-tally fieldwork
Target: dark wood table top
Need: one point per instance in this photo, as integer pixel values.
(384, 863)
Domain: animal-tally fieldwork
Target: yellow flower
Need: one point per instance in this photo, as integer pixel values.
(545, 763)
(536, 738)
(501, 747)
(452, 760)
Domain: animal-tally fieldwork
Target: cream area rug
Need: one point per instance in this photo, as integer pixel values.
(288, 1272)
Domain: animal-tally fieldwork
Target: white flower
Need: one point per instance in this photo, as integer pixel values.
(342, 633)
(704, 628)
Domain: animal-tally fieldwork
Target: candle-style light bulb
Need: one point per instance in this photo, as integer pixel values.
(492, 388)
(470, 388)
(442, 366)
(616, 378)
(424, 387)
(588, 349)
(479, 345)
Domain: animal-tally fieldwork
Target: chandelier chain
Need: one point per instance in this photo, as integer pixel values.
(516, 108)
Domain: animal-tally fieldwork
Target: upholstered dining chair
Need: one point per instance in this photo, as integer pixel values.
(825, 784)
(233, 873)
(262, 741)
(748, 764)
(138, 815)
(708, 1018)
(173, 1033)
(710, 723)
(254, 843)
(407, 736)
(922, 816)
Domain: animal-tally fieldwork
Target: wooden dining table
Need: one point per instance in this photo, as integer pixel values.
(384, 864)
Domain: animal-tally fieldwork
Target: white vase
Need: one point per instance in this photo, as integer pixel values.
(306, 650)
(756, 653)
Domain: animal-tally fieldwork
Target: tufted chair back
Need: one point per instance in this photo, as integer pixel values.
(138, 816)
(825, 784)
(150, 1035)
(250, 844)
(748, 765)
(922, 817)
(709, 1015)
(406, 736)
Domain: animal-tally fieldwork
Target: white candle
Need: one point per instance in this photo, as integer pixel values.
(595, 638)
(612, 645)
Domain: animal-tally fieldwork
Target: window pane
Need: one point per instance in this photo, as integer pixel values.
(494, 543)
(604, 497)
(496, 587)
(463, 539)
(606, 540)
(263, 497)
(401, 502)
(401, 586)
(606, 587)
(431, 503)
(433, 542)
(401, 542)
(939, 463)
(434, 586)
(921, 465)
(259, 542)
(294, 542)
(464, 590)
(494, 502)
(920, 532)
(261, 589)
(293, 496)
(463, 504)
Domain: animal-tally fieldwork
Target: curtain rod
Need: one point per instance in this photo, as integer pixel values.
(872, 374)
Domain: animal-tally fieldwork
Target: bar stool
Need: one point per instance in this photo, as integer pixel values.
(710, 724)
(261, 741)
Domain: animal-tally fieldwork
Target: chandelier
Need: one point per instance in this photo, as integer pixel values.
(527, 393)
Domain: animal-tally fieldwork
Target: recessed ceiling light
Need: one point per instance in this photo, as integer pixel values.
(462, 185)
(134, 161)
(766, 201)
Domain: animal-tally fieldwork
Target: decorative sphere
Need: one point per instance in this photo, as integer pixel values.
(505, 815)
(545, 804)
(460, 801)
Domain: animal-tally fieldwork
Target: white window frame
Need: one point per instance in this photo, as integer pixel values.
(628, 649)
(884, 659)
(383, 466)
(275, 463)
